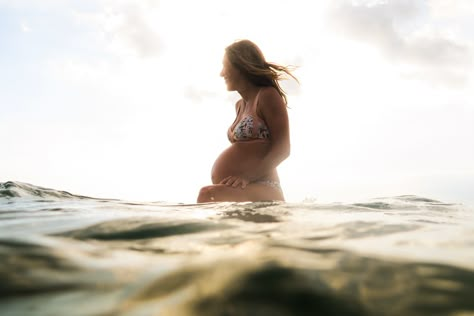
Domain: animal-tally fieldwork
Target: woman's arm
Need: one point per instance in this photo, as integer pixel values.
(273, 111)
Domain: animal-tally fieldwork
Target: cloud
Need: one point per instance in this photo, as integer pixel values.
(29, 4)
(25, 28)
(457, 8)
(129, 27)
(133, 28)
(404, 33)
(198, 95)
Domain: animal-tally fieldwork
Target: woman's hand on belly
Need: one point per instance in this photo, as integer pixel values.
(235, 181)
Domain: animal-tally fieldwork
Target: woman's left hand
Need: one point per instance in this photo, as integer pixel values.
(235, 181)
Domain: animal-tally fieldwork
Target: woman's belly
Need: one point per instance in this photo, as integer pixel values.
(237, 159)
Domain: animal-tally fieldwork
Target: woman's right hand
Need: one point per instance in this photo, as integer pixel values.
(235, 181)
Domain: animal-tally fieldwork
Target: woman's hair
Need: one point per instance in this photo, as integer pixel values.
(249, 60)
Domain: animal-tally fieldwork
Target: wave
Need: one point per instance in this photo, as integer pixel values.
(66, 254)
(139, 229)
(402, 202)
(278, 279)
(15, 189)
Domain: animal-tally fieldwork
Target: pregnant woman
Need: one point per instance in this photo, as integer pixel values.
(259, 136)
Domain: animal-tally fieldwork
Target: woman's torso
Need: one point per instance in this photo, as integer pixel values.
(250, 142)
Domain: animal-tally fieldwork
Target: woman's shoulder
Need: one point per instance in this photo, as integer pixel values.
(268, 91)
(269, 95)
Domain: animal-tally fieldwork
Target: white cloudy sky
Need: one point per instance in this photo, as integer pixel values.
(123, 99)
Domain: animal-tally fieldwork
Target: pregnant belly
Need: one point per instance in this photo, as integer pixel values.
(237, 159)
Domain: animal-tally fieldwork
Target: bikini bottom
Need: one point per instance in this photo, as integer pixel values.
(270, 183)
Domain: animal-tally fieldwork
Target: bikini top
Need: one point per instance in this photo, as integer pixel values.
(250, 126)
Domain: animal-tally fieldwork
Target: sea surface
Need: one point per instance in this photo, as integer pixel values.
(65, 254)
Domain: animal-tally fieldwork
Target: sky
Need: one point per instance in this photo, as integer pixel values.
(123, 99)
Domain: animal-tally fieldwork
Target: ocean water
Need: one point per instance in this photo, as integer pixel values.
(65, 254)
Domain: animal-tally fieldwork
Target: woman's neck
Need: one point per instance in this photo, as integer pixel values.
(248, 93)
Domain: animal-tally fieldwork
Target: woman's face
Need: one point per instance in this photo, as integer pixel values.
(231, 75)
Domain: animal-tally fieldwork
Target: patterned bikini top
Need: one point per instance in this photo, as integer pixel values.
(250, 126)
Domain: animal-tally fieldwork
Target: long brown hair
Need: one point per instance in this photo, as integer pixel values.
(249, 60)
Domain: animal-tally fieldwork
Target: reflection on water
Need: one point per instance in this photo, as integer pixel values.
(67, 255)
